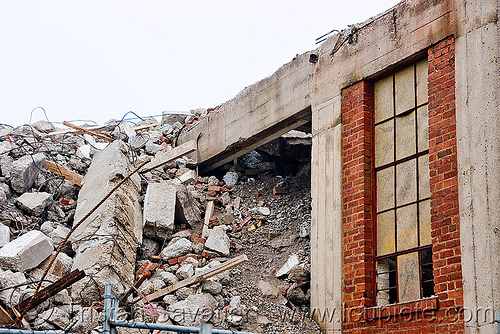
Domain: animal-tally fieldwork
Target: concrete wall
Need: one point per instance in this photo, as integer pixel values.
(382, 44)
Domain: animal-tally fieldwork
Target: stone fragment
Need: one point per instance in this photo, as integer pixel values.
(169, 118)
(213, 181)
(181, 247)
(298, 274)
(296, 295)
(168, 277)
(34, 203)
(231, 178)
(4, 235)
(85, 320)
(185, 292)
(187, 209)
(218, 241)
(26, 252)
(11, 279)
(44, 126)
(185, 271)
(5, 146)
(6, 165)
(187, 177)
(234, 320)
(62, 265)
(159, 210)
(235, 302)
(292, 261)
(25, 170)
(170, 299)
(211, 286)
(56, 317)
(193, 310)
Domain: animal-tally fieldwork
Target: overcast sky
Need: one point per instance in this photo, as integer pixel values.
(99, 59)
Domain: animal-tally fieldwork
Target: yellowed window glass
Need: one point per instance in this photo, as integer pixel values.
(424, 188)
(404, 81)
(425, 222)
(407, 227)
(408, 276)
(422, 86)
(405, 136)
(384, 102)
(423, 128)
(384, 143)
(386, 233)
(385, 189)
(406, 182)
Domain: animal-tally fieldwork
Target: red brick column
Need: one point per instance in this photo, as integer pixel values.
(445, 220)
(357, 106)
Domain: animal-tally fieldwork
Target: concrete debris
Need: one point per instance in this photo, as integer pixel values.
(56, 317)
(296, 295)
(179, 248)
(24, 172)
(12, 279)
(159, 210)
(4, 235)
(185, 271)
(218, 241)
(187, 210)
(34, 203)
(231, 178)
(285, 269)
(26, 252)
(188, 312)
(298, 274)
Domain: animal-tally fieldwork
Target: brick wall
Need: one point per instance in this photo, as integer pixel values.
(440, 314)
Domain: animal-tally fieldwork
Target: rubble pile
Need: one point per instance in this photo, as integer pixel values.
(230, 248)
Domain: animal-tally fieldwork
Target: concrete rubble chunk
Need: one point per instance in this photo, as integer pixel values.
(44, 126)
(106, 243)
(9, 279)
(193, 310)
(34, 203)
(218, 240)
(298, 274)
(179, 248)
(4, 235)
(187, 209)
(211, 286)
(56, 317)
(185, 271)
(86, 320)
(285, 269)
(26, 252)
(5, 146)
(231, 178)
(6, 165)
(296, 295)
(25, 170)
(159, 210)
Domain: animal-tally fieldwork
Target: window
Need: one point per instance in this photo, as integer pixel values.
(402, 208)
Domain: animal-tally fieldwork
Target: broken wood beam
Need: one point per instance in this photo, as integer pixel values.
(164, 157)
(89, 132)
(143, 127)
(208, 214)
(136, 285)
(195, 279)
(68, 174)
(51, 290)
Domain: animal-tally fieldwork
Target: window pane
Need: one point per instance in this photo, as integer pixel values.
(406, 182)
(405, 136)
(425, 222)
(424, 187)
(405, 89)
(384, 143)
(427, 272)
(384, 102)
(385, 189)
(407, 227)
(422, 71)
(386, 238)
(408, 277)
(386, 281)
(423, 128)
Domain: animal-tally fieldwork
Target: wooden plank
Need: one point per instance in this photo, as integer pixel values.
(89, 132)
(136, 285)
(64, 171)
(195, 279)
(208, 214)
(163, 157)
(62, 132)
(143, 127)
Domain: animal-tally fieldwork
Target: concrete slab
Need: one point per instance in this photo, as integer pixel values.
(159, 210)
(26, 252)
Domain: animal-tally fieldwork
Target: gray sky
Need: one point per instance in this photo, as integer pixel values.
(99, 59)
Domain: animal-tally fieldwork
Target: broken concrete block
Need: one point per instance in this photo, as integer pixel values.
(292, 261)
(34, 203)
(298, 274)
(11, 279)
(4, 192)
(159, 210)
(218, 240)
(167, 277)
(231, 178)
(211, 286)
(26, 252)
(187, 209)
(185, 271)
(296, 295)
(4, 235)
(193, 310)
(109, 239)
(56, 317)
(44, 126)
(5, 146)
(25, 170)
(187, 177)
(179, 248)
(61, 267)
(86, 320)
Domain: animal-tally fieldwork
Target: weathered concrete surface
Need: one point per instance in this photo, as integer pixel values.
(159, 210)
(218, 241)
(26, 252)
(25, 170)
(34, 203)
(179, 248)
(107, 242)
(478, 120)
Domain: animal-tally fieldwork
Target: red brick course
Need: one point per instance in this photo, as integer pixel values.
(444, 313)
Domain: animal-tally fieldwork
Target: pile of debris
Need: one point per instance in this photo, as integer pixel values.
(176, 247)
